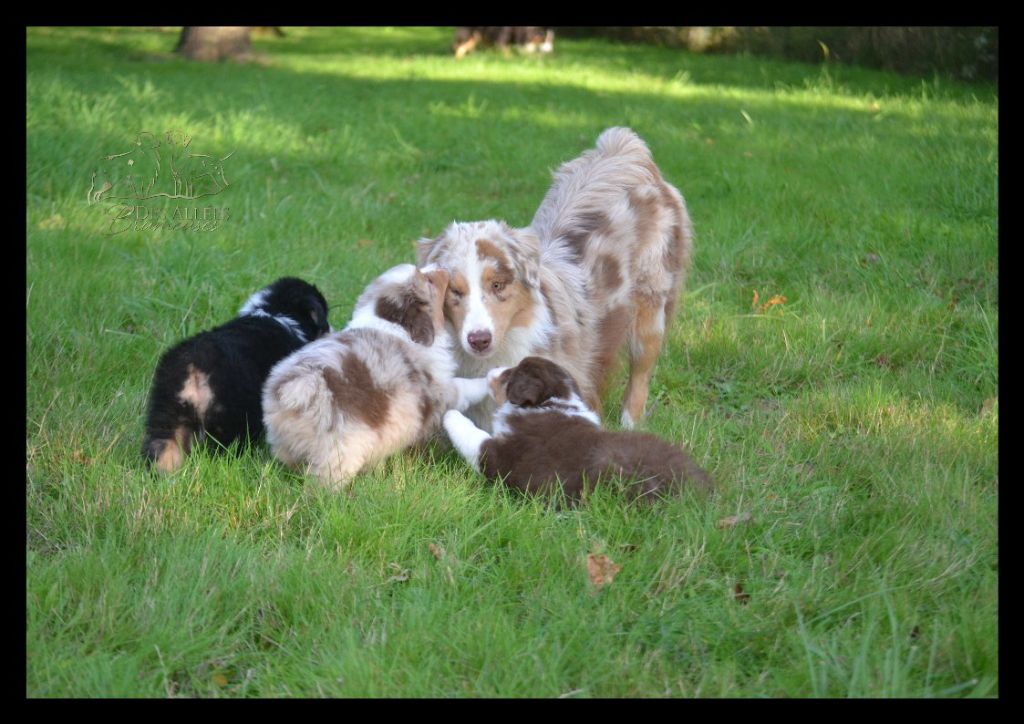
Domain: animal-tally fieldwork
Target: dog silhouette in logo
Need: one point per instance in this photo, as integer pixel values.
(133, 174)
(153, 167)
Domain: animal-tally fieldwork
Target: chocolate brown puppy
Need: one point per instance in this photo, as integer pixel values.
(545, 439)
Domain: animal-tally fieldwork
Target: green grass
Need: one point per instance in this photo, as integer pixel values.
(855, 421)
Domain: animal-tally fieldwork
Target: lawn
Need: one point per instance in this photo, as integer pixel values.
(833, 365)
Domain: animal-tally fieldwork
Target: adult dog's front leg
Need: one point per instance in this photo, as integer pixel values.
(465, 436)
(470, 391)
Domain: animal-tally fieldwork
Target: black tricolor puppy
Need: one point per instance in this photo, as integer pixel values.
(545, 435)
(210, 385)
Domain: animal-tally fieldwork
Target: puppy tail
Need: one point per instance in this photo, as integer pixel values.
(295, 393)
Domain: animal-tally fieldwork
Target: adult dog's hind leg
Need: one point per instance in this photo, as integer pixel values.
(645, 339)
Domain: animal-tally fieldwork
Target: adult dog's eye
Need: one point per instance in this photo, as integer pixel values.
(498, 286)
(455, 293)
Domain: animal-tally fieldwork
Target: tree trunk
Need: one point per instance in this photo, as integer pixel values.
(215, 43)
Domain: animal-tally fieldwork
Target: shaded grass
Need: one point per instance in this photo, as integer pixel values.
(850, 420)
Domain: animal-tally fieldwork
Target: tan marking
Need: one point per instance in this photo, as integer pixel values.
(645, 345)
(611, 331)
(196, 391)
(609, 273)
(512, 307)
(497, 385)
(488, 250)
(646, 205)
(173, 455)
(454, 304)
(438, 291)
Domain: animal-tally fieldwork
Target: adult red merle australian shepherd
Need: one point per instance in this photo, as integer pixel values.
(602, 263)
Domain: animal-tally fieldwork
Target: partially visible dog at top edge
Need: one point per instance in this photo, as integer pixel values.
(528, 38)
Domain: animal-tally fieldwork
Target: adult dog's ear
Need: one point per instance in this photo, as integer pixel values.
(526, 389)
(527, 257)
(425, 249)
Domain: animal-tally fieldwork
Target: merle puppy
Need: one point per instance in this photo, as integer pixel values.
(546, 437)
(210, 385)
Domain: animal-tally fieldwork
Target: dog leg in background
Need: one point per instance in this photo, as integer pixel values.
(465, 436)
(471, 391)
(645, 339)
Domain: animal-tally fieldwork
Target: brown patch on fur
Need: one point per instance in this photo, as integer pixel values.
(410, 312)
(610, 332)
(646, 204)
(552, 308)
(438, 289)
(587, 225)
(609, 273)
(546, 451)
(673, 255)
(196, 391)
(454, 300)
(172, 456)
(486, 249)
(651, 168)
(536, 380)
(508, 308)
(355, 391)
(497, 386)
(426, 409)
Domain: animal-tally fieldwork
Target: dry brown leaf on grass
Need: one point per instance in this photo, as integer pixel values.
(733, 520)
(601, 570)
(765, 306)
(440, 554)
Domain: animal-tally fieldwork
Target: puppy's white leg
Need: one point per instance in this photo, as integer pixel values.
(465, 436)
(470, 391)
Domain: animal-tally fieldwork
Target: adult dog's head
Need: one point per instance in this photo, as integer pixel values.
(493, 281)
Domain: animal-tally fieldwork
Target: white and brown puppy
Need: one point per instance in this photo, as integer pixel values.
(545, 437)
(350, 399)
(602, 263)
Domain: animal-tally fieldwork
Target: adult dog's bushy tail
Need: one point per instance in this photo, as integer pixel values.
(586, 187)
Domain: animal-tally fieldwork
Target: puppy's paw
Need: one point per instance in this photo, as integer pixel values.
(470, 391)
(452, 419)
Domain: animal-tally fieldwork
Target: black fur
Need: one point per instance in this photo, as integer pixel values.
(235, 360)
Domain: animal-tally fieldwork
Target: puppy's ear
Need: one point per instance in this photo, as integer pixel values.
(418, 321)
(438, 278)
(411, 313)
(527, 256)
(425, 249)
(526, 389)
